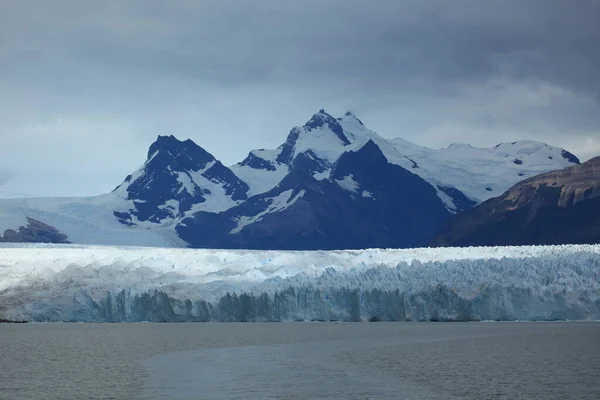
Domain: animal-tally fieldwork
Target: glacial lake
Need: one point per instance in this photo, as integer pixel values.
(509, 360)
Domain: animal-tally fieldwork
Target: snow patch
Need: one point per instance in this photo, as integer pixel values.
(186, 183)
(260, 180)
(322, 175)
(367, 194)
(170, 205)
(348, 184)
(277, 204)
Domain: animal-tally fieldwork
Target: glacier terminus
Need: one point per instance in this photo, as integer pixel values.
(41, 282)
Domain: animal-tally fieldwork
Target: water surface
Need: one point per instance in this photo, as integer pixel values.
(300, 360)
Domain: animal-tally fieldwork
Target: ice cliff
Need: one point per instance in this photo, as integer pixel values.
(110, 284)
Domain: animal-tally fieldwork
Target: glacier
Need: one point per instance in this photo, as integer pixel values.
(75, 283)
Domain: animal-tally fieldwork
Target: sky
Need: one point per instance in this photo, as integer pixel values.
(87, 85)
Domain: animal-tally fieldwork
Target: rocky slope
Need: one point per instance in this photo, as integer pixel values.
(178, 177)
(366, 202)
(33, 232)
(559, 207)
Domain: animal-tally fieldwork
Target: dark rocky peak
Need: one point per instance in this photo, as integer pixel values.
(286, 156)
(301, 175)
(350, 115)
(307, 164)
(362, 163)
(368, 151)
(256, 162)
(570, 157)
(320, 119)
(179, 155)
(168, 184)
(365, 160)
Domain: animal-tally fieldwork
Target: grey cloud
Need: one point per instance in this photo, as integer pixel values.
(117, 73)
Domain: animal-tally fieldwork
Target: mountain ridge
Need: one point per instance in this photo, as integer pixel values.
(181, 186)
(366, 200)
(444, 169)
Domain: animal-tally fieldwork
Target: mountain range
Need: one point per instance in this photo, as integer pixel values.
(332, 184)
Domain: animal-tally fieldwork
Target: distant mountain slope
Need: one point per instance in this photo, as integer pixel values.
(560, 207)
(366, 202)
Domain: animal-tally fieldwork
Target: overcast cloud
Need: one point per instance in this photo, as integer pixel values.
(86, 86)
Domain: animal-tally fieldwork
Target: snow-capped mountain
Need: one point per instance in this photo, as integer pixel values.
(365, 202)
(463, 175)
(178, 178)
(333, 183)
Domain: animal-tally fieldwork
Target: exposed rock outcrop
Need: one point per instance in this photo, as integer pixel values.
(34, 232)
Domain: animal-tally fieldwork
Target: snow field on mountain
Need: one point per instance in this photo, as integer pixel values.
(480, 173)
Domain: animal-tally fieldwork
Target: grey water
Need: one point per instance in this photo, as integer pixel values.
(300, 361)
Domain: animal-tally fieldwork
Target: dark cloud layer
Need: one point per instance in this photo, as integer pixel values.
(85, 86)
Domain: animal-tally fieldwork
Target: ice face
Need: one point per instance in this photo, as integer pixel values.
(110, 284)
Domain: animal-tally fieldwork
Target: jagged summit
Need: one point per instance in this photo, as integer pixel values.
(497, 168)
(350, 115)
(358, 201)
(166, 142)
(178, 177)
(320, 133)
(320, 119)
(168, 151)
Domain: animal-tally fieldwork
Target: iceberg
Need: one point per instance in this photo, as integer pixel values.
(74, 283)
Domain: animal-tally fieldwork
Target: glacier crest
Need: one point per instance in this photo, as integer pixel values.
(544, 285)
